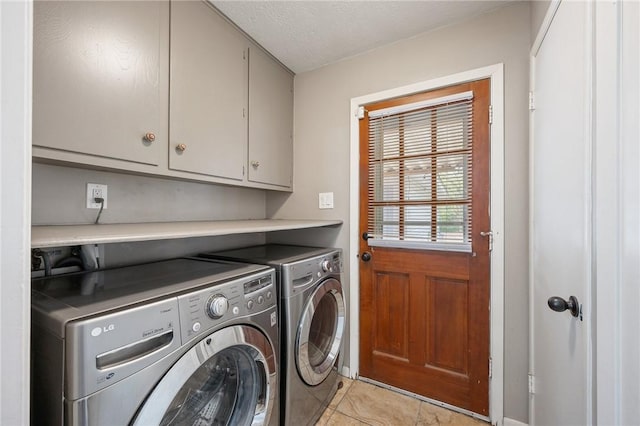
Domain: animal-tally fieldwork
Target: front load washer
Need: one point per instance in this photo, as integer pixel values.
(312, 311)
(180, 342)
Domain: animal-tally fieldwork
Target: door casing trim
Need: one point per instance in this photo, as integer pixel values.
(496, 74)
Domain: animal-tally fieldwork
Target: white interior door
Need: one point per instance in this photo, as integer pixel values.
(561, 218)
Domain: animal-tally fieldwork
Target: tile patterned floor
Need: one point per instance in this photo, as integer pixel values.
(359, 403)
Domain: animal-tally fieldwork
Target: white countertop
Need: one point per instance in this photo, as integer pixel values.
(67, 235)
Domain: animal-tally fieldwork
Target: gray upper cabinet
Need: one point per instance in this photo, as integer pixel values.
(208, 93)
(270, 121)
(96, 79)
(159, 88)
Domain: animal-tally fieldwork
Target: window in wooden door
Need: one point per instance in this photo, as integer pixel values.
(420, 176)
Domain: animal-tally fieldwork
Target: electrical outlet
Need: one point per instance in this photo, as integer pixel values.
(96, 190)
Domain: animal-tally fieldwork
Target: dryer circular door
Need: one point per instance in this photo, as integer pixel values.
(229, 377)
(320, 331)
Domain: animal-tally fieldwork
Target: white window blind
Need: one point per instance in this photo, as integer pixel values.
(420, 180)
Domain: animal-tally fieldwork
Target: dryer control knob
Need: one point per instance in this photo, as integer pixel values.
(326, 265)
(217, 306)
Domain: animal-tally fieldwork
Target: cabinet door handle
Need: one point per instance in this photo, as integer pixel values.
(255, 164)
(150, 137)
(181, 147)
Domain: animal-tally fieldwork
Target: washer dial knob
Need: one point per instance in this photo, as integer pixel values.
(217, 306)
(326, 266)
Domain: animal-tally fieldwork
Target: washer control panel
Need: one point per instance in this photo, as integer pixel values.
(331, 264)
(225, 302)
(259, 293)
(217, 306)
(299, 276)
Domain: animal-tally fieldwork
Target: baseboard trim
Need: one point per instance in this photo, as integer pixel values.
(511, 422)
(346, 372)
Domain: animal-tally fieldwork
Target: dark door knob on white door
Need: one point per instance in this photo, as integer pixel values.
(558, 304)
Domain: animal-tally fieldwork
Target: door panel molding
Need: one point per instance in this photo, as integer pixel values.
(496, 74)
(443, 324)
(393, 289)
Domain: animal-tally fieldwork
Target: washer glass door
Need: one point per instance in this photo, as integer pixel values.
(320, 332)
(227, 378)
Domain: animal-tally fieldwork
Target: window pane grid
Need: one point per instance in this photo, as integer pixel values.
(420, 176)
(451, 224)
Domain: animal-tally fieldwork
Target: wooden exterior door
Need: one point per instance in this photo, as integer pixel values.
(424, 303)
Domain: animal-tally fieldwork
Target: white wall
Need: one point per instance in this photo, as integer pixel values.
(321, 145)
(15, 229)
(629, 183)
(617, 210)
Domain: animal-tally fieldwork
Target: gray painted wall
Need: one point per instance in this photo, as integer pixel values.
(59, 197)
(148, 251)
(538, 11)
(321, 145)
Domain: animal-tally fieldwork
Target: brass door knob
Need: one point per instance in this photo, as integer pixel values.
(149, 137)
(181, 147)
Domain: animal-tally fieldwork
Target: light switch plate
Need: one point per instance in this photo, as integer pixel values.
(325, 200)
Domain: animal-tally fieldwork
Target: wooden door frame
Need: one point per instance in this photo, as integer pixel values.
(496, 74)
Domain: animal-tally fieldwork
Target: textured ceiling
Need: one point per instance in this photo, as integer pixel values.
(305, 35)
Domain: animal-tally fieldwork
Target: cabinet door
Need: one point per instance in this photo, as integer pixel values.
(96, 74)
(270, 121)
(208, 93)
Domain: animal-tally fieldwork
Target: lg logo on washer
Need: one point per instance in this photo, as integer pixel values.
(99, 330)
